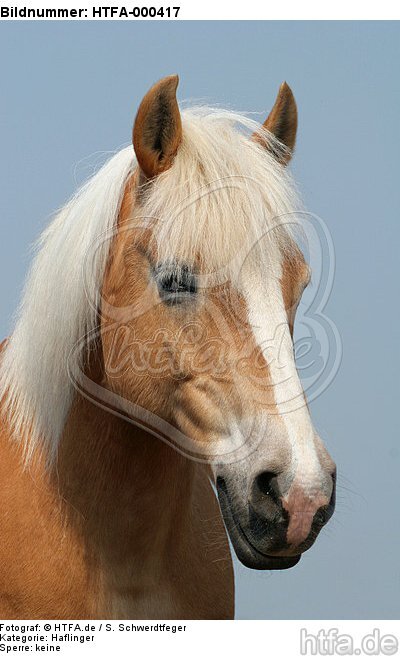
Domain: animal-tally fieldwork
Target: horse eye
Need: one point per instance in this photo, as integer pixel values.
(175, 284)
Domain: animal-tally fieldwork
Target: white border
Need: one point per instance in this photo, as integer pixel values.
(220, 9)
(277, 638)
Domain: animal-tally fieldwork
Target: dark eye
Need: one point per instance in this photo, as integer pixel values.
(175, 283)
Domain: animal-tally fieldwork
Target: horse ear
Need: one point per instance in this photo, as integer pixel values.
(282, 122)
(157, 131)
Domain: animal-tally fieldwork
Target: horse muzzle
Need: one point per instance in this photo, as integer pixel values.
(271, 528)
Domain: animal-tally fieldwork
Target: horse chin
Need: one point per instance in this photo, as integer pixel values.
(246, 552)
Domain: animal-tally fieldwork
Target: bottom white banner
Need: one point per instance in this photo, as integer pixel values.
(283, 637)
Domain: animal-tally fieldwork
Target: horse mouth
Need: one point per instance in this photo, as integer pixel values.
(246, 552)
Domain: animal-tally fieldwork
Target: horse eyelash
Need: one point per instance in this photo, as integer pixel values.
(181, 277)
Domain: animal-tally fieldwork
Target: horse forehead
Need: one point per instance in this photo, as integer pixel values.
(277, 286)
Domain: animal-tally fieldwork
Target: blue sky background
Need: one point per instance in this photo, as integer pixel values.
(71, 89)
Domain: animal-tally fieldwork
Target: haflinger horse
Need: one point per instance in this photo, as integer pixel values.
(150, 399)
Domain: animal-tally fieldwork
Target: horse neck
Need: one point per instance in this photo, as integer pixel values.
(133, 490)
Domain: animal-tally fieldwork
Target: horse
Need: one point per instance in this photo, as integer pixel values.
(150, 403)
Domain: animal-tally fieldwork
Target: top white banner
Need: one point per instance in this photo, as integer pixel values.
(133, 10)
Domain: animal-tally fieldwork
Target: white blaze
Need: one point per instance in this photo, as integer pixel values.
(269, 323)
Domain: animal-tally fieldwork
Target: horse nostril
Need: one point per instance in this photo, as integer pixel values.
(266, 483)
(333, 495)
(321, 517)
